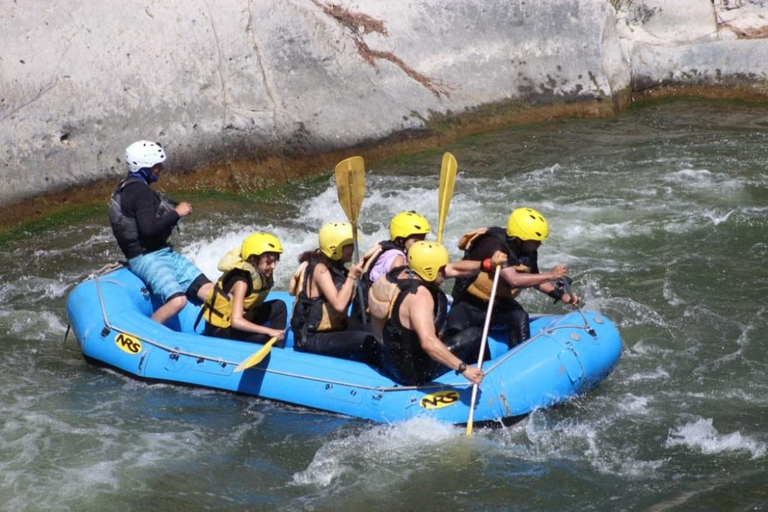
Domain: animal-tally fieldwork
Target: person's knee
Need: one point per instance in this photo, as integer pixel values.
(204, 291)
(519, 328)
(457, 320)
(177, 303)
(281, 308)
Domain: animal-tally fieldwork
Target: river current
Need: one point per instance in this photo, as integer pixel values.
(661, 215)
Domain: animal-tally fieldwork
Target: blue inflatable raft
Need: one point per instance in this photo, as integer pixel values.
(567, 355)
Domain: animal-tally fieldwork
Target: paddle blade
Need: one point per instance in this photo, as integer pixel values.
(445, 193)
(257, 357)
(350, 185)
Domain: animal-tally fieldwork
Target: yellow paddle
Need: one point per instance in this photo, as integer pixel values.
(483, 342)
(257, 357)
(447, 181)
(350, 186)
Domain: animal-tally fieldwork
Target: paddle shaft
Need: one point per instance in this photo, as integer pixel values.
(360, 298)
(486, 327)
(350, 186)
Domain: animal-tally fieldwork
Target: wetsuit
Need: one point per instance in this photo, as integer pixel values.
(400, 353)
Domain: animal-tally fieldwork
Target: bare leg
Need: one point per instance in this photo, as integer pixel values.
(169, 309)
(204, 291)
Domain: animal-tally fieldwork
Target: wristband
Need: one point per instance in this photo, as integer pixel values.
(556, 294)
(486, 265)
(462, 368)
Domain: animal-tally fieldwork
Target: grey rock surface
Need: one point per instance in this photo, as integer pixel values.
(212, 81)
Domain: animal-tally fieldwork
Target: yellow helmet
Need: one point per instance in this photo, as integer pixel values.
(259, 243)
(427, 258)
(527, 224)
(406, 224)
(333, 236)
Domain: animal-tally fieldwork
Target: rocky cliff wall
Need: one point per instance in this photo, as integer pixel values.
(245, 79)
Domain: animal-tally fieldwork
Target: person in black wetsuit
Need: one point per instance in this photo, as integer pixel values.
(408, 312)
(142, 221)
(324, 288)
(526, 229)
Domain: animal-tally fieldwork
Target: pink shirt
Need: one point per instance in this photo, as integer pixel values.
(384, 264)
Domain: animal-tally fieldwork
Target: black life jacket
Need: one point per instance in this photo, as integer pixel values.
(400, 352)
(313, 314)
(126, 229)
(365, 283)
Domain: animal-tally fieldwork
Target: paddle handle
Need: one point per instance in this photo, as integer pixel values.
(480, 358)
(360, 298)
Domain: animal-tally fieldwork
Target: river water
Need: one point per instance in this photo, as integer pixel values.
(661, 215)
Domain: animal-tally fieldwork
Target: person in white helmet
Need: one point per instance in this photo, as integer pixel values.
(142, 221)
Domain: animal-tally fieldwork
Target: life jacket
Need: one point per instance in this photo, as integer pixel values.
(480, 286)
(364, 284)
(217, 309)
(400, 351)
(125, 228)
(313, 314)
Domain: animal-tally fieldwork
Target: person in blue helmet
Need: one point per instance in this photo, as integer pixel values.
(142, 221)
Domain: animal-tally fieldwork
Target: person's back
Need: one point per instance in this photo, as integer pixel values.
(405, 229)
(152, 214)
(142, 221)
(323, 289)
(408, 312)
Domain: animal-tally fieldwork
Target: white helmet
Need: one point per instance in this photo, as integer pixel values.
(143, 154)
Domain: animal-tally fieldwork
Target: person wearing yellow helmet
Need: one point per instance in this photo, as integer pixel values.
(526, 230)
(236, 307)
(408, 314)
(405, 229)
(324, 289)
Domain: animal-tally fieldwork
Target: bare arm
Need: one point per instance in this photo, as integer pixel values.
(338, 300)
(239, 322)
(469, 268)
(517, 279)
(463, 268)
(418, 311)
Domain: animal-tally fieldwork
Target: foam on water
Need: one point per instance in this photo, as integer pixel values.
(632, 404)
(381, 450)
(588, 441)
(703, 179)
(657, 374)
(701, 435)
(32, 325)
